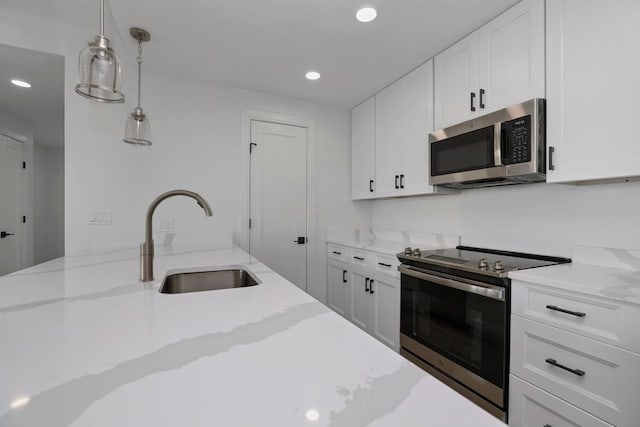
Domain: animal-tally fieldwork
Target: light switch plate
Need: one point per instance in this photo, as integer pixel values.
(100, 218)
(165, 226)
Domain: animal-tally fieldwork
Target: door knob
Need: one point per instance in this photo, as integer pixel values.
(4, 234)
(301, 240)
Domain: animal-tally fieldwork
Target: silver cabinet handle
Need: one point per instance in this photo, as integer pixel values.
(469, 286)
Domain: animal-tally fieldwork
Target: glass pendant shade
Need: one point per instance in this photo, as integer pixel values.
(137, 128)
(99, 72)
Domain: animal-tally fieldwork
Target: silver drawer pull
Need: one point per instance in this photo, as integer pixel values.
(384, 265)
(337, 253)
(577, 372)
(358, 258)
(564, 310)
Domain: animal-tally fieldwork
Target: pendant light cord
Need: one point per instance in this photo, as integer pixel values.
(139, 69)
(101, 18)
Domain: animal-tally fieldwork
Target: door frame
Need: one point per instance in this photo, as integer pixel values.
(243, 239)
(24, 244)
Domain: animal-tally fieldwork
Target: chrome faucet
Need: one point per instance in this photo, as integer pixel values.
(146, 249)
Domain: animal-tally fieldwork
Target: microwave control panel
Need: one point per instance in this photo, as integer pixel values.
(517, 147)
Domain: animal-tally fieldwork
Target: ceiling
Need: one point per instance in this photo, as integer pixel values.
(269, 45)
(41, 105)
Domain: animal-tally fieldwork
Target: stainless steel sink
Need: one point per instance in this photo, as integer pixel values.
(197, 281)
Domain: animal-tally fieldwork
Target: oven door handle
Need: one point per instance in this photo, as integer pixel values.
(471, 286)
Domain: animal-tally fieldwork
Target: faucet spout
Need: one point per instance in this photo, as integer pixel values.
(146, 248)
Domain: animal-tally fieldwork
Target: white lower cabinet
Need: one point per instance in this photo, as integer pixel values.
(361, 313)
(366, 291)
(386, 310)
(338, 287)
(560, 374)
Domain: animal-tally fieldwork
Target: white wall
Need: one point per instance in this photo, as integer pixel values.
(48, 203)
(539, 218)
(196, 133)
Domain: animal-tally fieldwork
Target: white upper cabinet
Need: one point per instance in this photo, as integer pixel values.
(414, 148)
(363, 150)
(404, 118)
(511, 53)
(390, 131)
(456, 82)
(498, 65)
(593, 84)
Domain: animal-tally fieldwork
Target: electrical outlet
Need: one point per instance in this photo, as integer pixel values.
(165, 226)
(100, 218)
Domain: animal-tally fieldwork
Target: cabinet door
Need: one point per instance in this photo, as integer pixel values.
(386, 310)
(414, 149)
(361, 301)
(593, 83)
(390, 128)
(511, 57)
(338, 284)
(456, 78)
(363, 158)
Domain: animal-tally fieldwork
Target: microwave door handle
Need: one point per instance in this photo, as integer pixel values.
(470, 286)
(497, 144)
(504, 149)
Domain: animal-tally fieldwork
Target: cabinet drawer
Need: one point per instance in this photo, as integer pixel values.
(603, 319)
(530, 406)
(337, 252)
(603, 380)
(358, 257)
(387, 264)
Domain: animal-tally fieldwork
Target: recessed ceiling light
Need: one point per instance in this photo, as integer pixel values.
(20, 83)
(366, 14)
(313, 75)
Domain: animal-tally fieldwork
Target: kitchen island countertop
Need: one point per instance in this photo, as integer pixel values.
(84, 343)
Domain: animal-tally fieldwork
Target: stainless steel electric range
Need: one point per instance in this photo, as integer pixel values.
(454, 317)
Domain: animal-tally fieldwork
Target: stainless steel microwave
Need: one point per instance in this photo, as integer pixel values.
(500, 148)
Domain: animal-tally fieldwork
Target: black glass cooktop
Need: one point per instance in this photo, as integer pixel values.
(481, 260)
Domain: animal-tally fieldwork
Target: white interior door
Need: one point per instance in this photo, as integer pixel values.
(278, 206)
(10, 165)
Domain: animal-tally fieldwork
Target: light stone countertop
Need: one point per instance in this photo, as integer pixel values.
(392, 242)
(612, 273)
(84, 343)
(606, 282)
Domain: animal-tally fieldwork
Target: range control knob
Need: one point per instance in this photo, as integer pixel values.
(408, 251)
(417, 252)
(498, 266)
(482, 265)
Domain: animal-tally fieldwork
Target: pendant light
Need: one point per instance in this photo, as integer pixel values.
(137, 128)
(99, 71)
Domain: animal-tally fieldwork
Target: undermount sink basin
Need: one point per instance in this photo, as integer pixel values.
(211, 280)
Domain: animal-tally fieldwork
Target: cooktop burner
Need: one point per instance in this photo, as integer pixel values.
(489, 262)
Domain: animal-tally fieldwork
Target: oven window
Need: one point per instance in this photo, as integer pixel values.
(469, 151)
(466, 328)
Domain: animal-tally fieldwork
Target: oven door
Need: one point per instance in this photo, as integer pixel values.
(463, 320)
